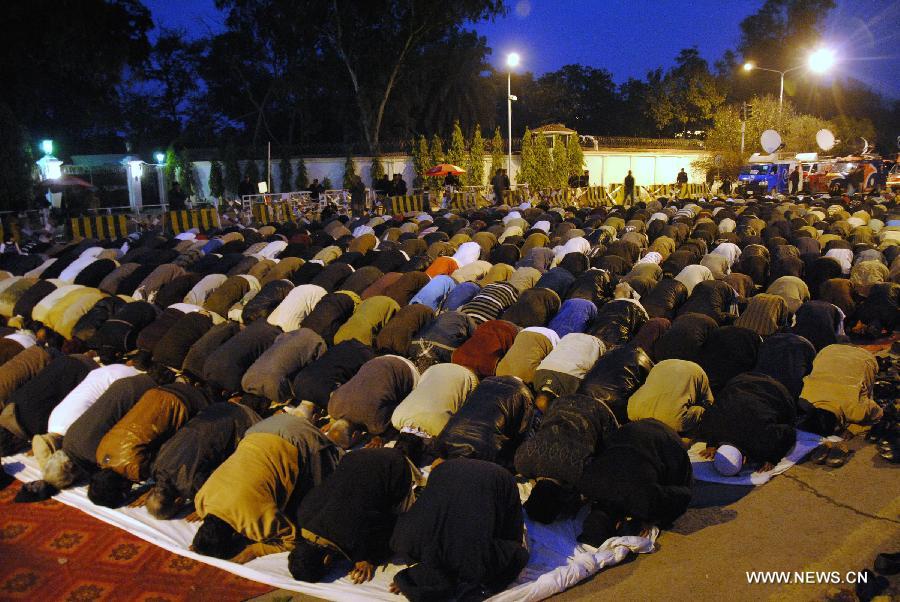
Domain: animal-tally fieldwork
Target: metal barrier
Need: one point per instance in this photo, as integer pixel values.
(407, 204)
(103, 227)
(184, 220)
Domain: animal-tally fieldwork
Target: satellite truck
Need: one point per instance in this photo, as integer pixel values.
(769, 172)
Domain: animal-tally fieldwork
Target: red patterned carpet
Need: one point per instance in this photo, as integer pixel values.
(49, 551)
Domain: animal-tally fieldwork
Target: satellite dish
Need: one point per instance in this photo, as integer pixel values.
(825, 139)
(865, 146)
(770, 141)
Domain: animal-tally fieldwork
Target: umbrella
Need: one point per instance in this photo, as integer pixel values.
(443, 169)
(59, 184)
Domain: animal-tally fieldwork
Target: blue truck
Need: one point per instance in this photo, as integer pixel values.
(766, 174)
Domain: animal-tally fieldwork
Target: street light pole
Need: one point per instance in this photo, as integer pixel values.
(509, 121)
(512, 60)
(819, 61)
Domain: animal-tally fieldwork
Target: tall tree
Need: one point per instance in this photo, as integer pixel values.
(376, 172)
(232, 169)
(575, 155)
(687, 96)
(16, 163)
(301, 182)
(560, 169)
(216, 180)
(527, 169)
(475, 160)
(251, 170)
(163, 92)
(349, 172)
(286, 171)
(543, 163)
(457, 152)
(373, 41)
(497, 152)
(421, 156)
(436, 150)
(61, 63)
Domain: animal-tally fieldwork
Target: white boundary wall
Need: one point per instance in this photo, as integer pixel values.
(606, 166)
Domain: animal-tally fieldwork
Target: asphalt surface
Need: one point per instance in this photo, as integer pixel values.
(812, 518)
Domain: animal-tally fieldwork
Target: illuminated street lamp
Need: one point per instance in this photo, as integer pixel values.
(819, 61)
(512, 61)
(161, 176)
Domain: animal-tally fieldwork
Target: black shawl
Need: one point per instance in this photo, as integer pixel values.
(643, 472)
(470, 542)
(354, 506)
(754, 413)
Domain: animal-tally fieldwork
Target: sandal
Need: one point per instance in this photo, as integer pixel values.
(837, 456)
(819, 454)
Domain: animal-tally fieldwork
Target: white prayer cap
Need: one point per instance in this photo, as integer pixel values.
(728, 460)
(542, 225)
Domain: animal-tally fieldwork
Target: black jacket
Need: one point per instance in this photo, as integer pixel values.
(492, 422)
(614, 378)
(187, 459)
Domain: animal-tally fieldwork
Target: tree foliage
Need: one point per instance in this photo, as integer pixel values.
(301, 182)
(374, 40)
(286, 172)
(527, 170)
(421, 156)
(687, 96)
(475, 159)
(216, 180)
(497, 152)
(457, 153)
(16, 161)
(61, 64)
(575, 156)
(560, 168)
(349, 172)
(232, 169)
(251, 170)
(377, 170)
(542, 175)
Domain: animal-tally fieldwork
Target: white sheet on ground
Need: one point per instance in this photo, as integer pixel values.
(557, 560)
(705, 471)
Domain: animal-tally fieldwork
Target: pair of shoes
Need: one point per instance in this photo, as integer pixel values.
(887, 564)
(831, 454)
(890, 451)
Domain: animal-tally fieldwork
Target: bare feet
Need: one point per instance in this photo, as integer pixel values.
(709, 453)
(375, 442)
(393, 588)
(362, 571)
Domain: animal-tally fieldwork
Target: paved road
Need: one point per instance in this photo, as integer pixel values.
(812, 518)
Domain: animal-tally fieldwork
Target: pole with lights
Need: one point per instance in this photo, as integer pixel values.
(161, 177)
(819, 61)
(512, 61)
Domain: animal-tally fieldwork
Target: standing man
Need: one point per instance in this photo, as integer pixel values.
(500, 184)
(794, 181)
(315, 189)
(629, 189)
(358, 197)
(176, 198)
(726, 185)
(682, 181)
(398, 185)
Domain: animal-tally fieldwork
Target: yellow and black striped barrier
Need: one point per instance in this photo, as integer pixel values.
(407, 204)
(272, 213)
(103, 227)
(182, 221)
